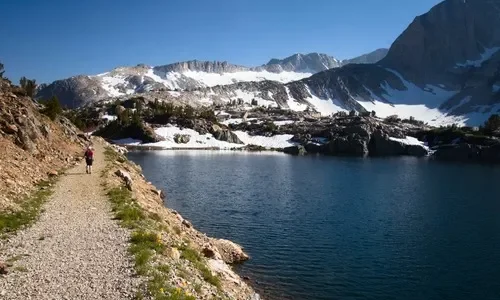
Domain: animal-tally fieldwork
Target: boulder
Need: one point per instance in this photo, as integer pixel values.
(382, 145)
(295, 150)
(3, 268)
(231, 252)
(52, 173)
(84, 137)
(182, 138)
(352, 145)
(459, 152)
(10, 129)
(315, 147)
(126, 178)
(209, 251)
(417, 150)
(186, 223)
(173, 253)
(225, 135)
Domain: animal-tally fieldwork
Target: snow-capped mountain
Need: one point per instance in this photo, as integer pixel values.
(187, 75)
(443, 69)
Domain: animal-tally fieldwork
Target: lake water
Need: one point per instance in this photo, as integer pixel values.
(343, 228)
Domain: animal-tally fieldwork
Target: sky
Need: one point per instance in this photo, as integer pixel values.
(55, 39)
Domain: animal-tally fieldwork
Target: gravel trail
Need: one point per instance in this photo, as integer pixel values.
(75, 250)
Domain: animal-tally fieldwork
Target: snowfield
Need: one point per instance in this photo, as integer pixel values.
(409, 141)
(204, 141)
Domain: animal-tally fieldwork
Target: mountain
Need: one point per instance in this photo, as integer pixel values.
(370, 58)
(188, 75)
(444, 68)
(305, 63)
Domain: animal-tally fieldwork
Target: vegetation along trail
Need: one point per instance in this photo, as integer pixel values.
(75, 250)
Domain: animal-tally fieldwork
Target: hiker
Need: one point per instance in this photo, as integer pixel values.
(89, 158)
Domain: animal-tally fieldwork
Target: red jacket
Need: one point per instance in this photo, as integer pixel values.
(89, 154)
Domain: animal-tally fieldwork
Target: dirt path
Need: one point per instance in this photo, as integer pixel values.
(75, 250)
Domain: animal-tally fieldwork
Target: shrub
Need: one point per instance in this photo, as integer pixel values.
(28, 85)
(492, 124)
(52, 108)
(269, 126)
(1, 70)
(392, 119)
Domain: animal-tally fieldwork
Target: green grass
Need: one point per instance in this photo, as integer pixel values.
(163, 268)
(21, 269)
(195, 258)
(125, 208)
(30, 209)
(146, 243)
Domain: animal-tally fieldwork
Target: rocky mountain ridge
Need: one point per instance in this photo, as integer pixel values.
(443, 69)
(188, 75)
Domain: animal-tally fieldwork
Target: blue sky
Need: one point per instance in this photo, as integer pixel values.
(55, 39)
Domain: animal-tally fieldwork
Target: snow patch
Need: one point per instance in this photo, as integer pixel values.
(324, 106)
(408, 141)
(284, 122)
(109, 117)
(293, 104)
(276, 141)
(487, 54)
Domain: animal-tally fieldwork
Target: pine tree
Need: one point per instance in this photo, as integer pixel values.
(1, 70)
(28, 85)
(31, 88)
(492, 124)
(53, 108)
(22, 82)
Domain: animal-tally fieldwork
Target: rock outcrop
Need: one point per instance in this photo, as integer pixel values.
(224, 134)
(469, 153)
(32, 145)
(182, 138)
(295, 150)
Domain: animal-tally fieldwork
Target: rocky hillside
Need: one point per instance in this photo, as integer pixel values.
(189, 75)
(33, 146)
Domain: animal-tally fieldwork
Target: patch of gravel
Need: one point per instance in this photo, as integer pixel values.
(75, 250)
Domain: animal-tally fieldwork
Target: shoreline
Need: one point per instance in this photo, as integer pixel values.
(219, 254)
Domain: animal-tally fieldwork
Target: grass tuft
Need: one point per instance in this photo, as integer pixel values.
(195, 258)
(29, 211)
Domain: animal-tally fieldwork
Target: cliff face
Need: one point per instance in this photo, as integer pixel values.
(32, 145)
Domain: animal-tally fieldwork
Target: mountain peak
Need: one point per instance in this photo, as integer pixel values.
(201, 66)
(305, 63)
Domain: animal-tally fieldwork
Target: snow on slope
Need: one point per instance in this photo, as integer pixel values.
(410, 103)
(115, 82)
(203, 141)
(409, 140)
(213, 79)
(487, 54)
(325, 107)
(276, 141)
(292, 103)
(173, 80)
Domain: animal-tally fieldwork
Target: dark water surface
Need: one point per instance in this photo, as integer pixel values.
(344, 228)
